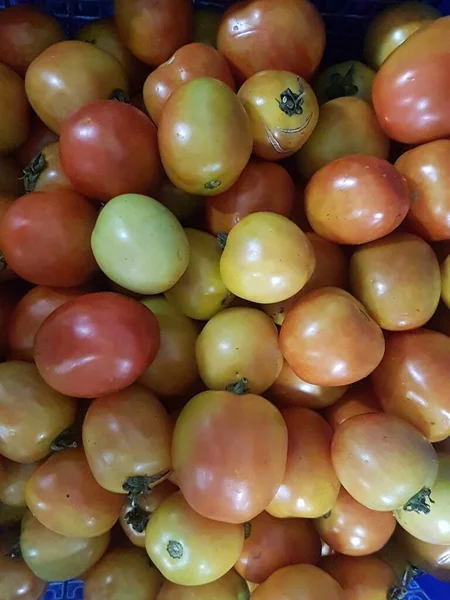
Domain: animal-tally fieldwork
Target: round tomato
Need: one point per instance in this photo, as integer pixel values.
(229, 587)
(346, 126)
(431, 558)
(266, 259)
(384, 462)
(189, 549)
(195, 161)
(96, 344)
(356, 199)
(410, 95)
(14, 110)
(46, 238)
(360, 399)
(222, 481)
(68, 75)
(16, 579)
(44, 173)
(351, 79)
(139, 244)
(64, 497)
(10, 176)
(14, 477)
(39, 137)
(110, 148)
(32, 414)
(329, 339)
(54, 557)
(289, 35)
(239, 344)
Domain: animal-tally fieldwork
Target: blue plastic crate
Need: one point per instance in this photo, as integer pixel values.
(346, 22)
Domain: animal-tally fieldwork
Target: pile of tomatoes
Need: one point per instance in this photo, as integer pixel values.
(224, 312)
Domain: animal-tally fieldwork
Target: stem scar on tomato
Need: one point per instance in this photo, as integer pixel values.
(291, 103)
(239, 387)
(213, 184)
(175, 549)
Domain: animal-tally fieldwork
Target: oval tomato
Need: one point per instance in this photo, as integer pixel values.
(348, 79)
(14, 110)
(14, 477)
(44, 173)
(10, 176)
(229, 587)
(360, 399)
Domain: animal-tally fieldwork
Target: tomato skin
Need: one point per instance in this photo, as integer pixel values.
(382, 461)
(229, 587)
(38, 138)
(356, 199)
(118, 334)
(14, 110)
(46, 238)
(410, 381)
(16, 579)
(10, 176)
(189, 62)
(289, 35)
(193, 160)
(360, 399)
(68, 75)
(13, 479)
(348, 79)
(409, 93)
(434, 559)
(110, 148)
(240, 484)
(52, 177)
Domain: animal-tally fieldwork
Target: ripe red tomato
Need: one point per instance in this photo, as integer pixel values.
(356, 199)
(110, 148)
(96, 344)
(38, 138)
(223, 481)
(14, 110)
(45, 238)
(44, 173)
(410, 90)
(360, 399)
(289, 36)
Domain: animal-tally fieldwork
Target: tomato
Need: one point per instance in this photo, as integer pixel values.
(38, 138)
(179, 202)
(289, 35)
(13, 479)
(275, 543)
(348, 79)
(16, 579)
(200, 293)
(25, 32)
(44, 173)
(411, 381)
(445, 281)
(104, 34)
(330, 270)
(189, 62)
(384, 462)
(356, 199)
(32, 415)
(346, 126)
(431, 558)
(139, 244)
(133, 520)
(362, 577)
(64, 497)
(223, 481)
(229, 587)
(96, 344)
(206, 25)
(409, 93)
(426, 169)
(353, 529)
(14, 110)
(53, 557)
(122, 573)
(329, 339)
(267, 258)
(10, 176)
(195, 161)
(310, 487)
(174, 369)
(290, 390)
(110, 148)
(189, 549)
(239, 344)
(68, 75)
(393, 26)
(299, 581)
(360, 399)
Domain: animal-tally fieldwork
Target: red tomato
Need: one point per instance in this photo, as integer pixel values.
(223, 481)
(289, 36)
(410, 90)
(14, 110)
(44, 172)
(45, 238)
(96, 344)
(110, 148)
(356, 199)
(359, 400)
(39, 137)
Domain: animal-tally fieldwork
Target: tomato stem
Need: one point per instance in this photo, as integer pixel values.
(64, 440)
(398, 592)
(291, 103)
(247, 530)
(14, 551)
(239, 388)
(342, 85)
(139, 484)
(418, 503)
(138, 519)
(327, 515)
(119, 96)
(32, 172)
(222, 239)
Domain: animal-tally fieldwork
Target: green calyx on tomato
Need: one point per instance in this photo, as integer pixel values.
(342, 85)
(222, 239)
(239, 388)
(137, 485)
(120, 96)
(138, 519)
(32, 172)
(418, 503)
(291, 103)
(66, 439)
(247, 530)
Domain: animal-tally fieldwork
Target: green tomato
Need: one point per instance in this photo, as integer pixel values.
(351, 78)
(139, 244)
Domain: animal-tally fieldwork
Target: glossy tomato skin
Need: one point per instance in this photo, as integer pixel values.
(409, 93)
(411, 380)
(289, 34)
(431, 558)
(104, 341)
(44, 173)
(110, 148)
(14, 110)
(16, 579)
(229, 587)
(426, 169)
(189, 62)
(356, 199)
(195, 161)
(238, 488)
(55, 93)
(382, 461)
(329, 339)
(13, 480)
(360, 399)
(64, 496)
(348, 79)
(46, 238)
